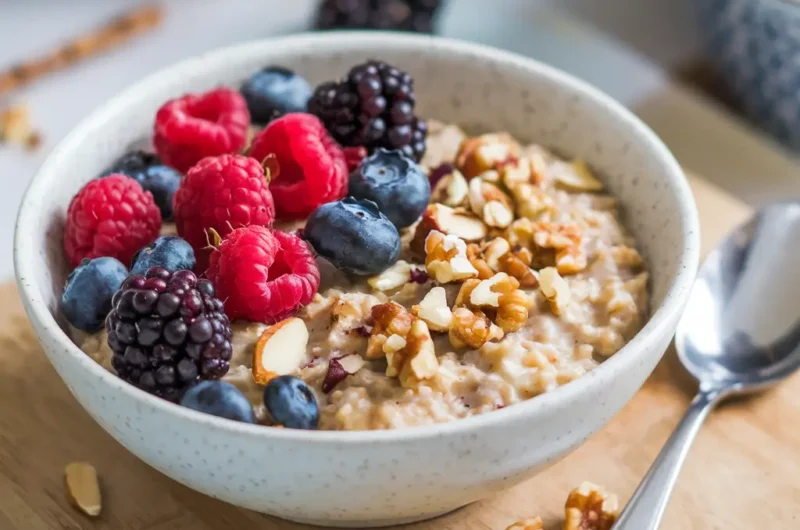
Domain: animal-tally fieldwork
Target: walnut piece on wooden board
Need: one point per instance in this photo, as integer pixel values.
(83, 488)
(590, 507)
(531, 523)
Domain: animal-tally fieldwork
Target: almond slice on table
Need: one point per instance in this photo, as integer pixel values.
(83, 488)
(280, 350)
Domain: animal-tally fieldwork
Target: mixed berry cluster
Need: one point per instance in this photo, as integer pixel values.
(342, 158)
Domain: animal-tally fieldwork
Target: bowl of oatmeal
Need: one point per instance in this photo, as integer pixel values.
(435, 279)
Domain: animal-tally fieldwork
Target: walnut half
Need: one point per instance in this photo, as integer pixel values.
(590, 507)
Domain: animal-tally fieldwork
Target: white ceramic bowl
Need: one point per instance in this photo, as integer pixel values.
(375, 478)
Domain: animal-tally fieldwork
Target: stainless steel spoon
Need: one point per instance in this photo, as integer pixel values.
(740, 333)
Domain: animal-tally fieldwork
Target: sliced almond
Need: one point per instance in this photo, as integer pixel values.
(450, 221)
(497, 214)
(352, 363)
(476, 199)
(392, 278)
(83, 488)
(576, 176)
(555, 289)
(451, 189)
(434, 311)
(280, 350)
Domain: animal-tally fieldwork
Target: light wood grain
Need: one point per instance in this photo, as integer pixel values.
(742, 472)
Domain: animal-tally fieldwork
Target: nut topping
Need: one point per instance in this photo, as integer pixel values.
(575, 176)
(472, 328)
(434, 311)
(392, 278)
(83, 488)
(280, 350)
(446, 258)
(451, 189)
(416, 360)
(590, 507)
(482, 153)
(390, 319)
(441, 218)
(555, 289)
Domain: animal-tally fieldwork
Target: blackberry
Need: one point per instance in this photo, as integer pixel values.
(398, 15)
(373, 106)
(168, 331)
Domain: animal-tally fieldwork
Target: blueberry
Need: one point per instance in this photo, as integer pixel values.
(354, 235)
(146, 168)
(219, 398)
(395, 183)
(273, 91)
(170, 252)
(291, 403)
(86, 299)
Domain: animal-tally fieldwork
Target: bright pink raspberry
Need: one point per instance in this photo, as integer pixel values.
(263, 275)
(313, 169)
(221, 193)
(110, 217)
(200, 125)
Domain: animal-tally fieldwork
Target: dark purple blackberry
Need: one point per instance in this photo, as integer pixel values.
(398, 15)
(373, 106)
(168, 331)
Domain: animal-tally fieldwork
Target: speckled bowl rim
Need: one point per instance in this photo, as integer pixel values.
(603, 376)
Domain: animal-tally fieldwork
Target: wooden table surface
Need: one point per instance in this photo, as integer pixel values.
(742, 473)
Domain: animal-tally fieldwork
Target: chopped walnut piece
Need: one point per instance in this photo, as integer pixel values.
(532, 523)
(464, 293)
(446, 258)
(416, 360)
(487, 257)
(517, 264)
(15, 127)
(488, 292)
(555, 289)
(590, 507)
(556, 235)
(472, 328)
(451, 221)
(390, 319)
(475, 257)
(433, 309)
(392, 278)
(520, 233)
(513, 311)
(571, 260)
(482, 153)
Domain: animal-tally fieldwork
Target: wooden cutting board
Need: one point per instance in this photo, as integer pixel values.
(742, 473)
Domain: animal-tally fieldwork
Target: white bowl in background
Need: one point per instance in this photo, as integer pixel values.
(386, 477)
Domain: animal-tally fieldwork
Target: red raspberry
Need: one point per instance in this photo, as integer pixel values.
(353, 156)
(263, 275)
(313, 170)
(199, 125)
(221, 193)
(111, 216)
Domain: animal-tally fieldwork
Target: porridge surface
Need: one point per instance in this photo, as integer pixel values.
(505, 336)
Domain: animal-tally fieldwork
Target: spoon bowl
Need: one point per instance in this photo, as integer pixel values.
(740, 333)
(741, 330)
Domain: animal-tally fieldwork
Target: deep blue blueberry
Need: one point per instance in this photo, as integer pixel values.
(146, 168)
(219, 398)
(395, 183)
(169, 252)
(291, 403)
(86, 300)
(354, 235)
(274, 91)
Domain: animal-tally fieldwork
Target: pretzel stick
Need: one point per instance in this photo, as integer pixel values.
(93, 43)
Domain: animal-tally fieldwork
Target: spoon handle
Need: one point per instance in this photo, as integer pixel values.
(646, 507)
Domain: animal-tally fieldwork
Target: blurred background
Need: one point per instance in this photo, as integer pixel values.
(718, 80)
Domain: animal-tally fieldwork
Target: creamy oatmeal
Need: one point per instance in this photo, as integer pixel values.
(519, 278)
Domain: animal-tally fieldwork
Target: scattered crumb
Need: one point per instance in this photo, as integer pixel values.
(15, 128)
